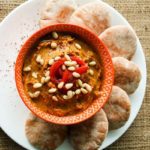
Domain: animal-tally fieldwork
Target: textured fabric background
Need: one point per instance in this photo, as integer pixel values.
(137, 12)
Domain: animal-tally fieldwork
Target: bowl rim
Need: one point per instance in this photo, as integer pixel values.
(96, 105)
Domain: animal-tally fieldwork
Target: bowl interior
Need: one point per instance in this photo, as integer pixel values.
(108, 73)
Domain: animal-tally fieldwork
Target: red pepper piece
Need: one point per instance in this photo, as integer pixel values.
(82, 69)
(60, 71)
(54, 69)
(66, 76)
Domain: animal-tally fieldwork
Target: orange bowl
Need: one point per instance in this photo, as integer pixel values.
(108, 73)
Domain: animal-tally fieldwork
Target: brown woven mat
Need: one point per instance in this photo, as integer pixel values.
(137, 13)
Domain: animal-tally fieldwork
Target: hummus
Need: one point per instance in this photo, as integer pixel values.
(62, 74)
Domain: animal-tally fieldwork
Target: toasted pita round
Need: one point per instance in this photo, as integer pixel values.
(93, 16)
(120, 40)
(89, 134)
(44, 135)
(56, 11)
(127, 74)
(117, 108)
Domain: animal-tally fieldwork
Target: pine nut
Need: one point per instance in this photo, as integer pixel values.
(47, 79)
(78, 46)
(67, 63)
(57, 58)
(74, 63)
(39, 60)
(88, 87)
(26, 69)
(80, 83)
(69, 85)
(55, 98)
(60, 85)
(31, 94)
(73, 93)
(91, 72)
(84, 91)
(53, 45)
(51, 61)
(43, 80)
(34, 75)
(78, 91)
(65, 97)
(52, 90)
(76, 75)
(55, 35)
(92, 63)
(37, 93)
(70, 63)
(71, 68)
(34, 95)
(67, 57)
(47, 73)
(63, 67)
(37, 85)
(70, 94)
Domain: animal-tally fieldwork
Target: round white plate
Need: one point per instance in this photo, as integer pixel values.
(14, 30)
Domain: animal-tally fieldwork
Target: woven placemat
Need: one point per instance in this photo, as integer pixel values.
(137, 12)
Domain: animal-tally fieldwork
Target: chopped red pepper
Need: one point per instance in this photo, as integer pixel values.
(60, 71)
(82, 69)
(66, 76)
(54, 69)
(57, 74)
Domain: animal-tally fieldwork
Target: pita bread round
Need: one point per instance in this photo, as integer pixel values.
(93, 16)
(56, 11)
(117, 108)
(120, 40)
(127, 74)
(44, 135)
(89, 134)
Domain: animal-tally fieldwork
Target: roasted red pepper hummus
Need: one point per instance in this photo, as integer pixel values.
(62, 74)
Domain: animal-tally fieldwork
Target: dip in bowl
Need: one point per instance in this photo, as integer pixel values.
(64, 74)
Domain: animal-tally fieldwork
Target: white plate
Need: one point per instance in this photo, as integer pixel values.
(14, 30)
